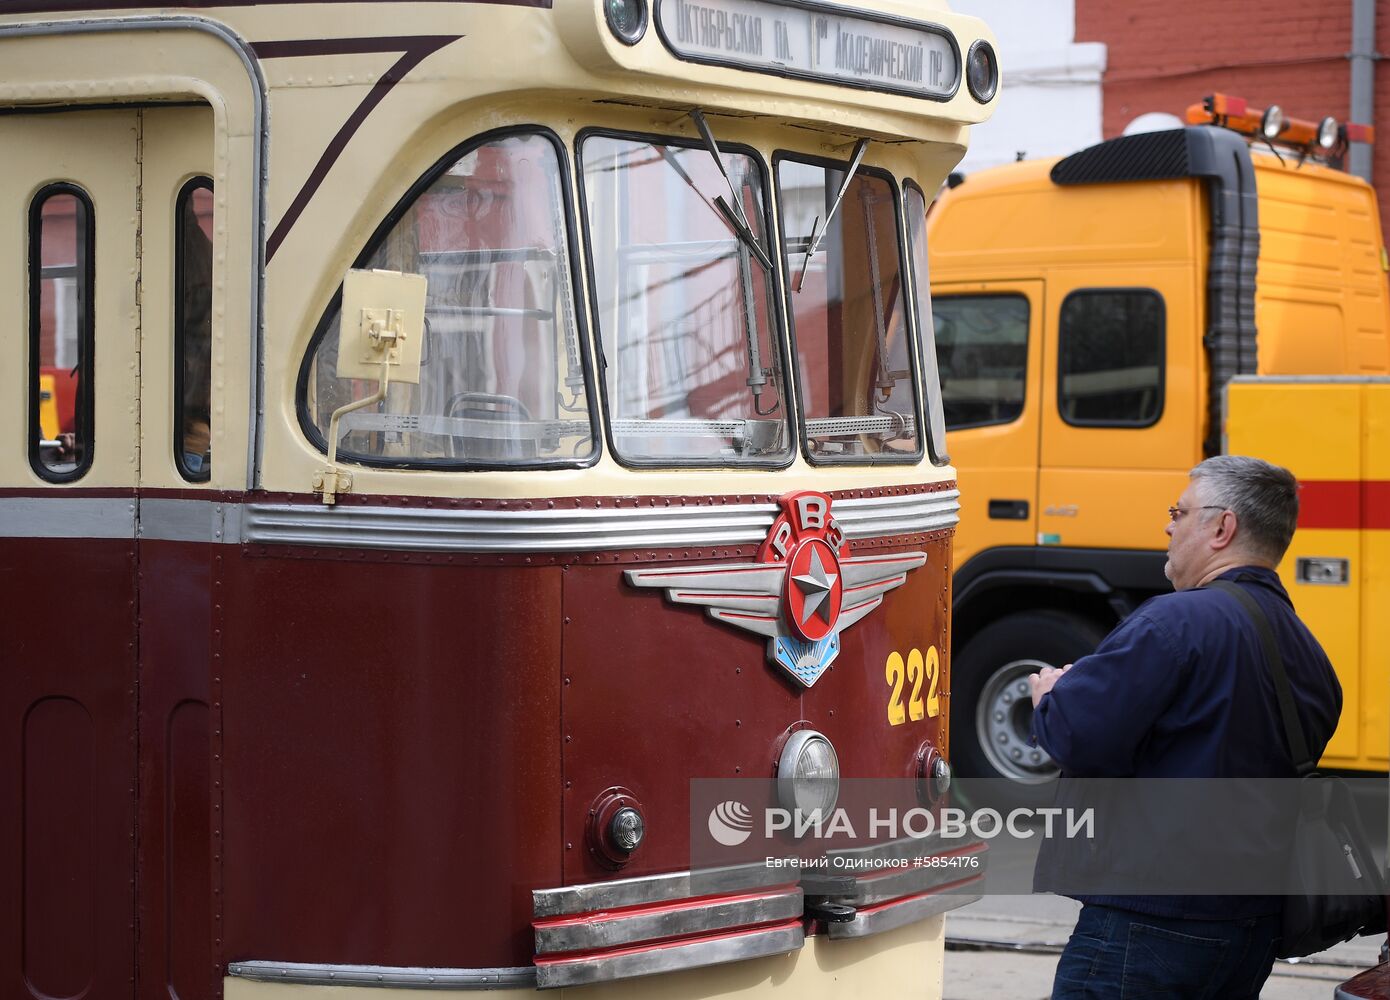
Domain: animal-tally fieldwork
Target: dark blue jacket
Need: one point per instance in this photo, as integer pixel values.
(1180, 689)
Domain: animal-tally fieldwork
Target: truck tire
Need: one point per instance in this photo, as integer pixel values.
(992, 710)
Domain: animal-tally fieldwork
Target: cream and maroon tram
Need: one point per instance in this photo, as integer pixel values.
(478, 421)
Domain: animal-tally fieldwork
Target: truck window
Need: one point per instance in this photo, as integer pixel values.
(982, 352)
(849, 317)
(501, 374)
(685, 311)
(61, 280)
(1110, 358)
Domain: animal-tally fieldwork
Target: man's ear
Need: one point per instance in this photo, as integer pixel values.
(1227, 526)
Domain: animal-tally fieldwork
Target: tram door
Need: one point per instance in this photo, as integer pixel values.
(95, 207)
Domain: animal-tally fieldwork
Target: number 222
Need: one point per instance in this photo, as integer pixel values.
(895, 672)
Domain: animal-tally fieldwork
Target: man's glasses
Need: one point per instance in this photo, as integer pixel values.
(1176, 512)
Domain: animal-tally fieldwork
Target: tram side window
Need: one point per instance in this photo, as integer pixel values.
(849, 314)
(982, 352)
(1110, 358)
(685, 306)
(61, 245)
(915, 203)
(193, 331)
(502, 373)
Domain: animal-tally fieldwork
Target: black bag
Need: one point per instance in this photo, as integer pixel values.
(1344, 891)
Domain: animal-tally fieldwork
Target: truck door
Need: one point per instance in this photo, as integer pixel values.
(89, 205)
(989, 347)
(1120, 406)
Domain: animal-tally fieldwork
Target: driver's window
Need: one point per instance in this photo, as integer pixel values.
(502, 375)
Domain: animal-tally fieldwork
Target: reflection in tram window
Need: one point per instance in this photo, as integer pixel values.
(60, 332)
(193, 331)
(848, 314)
(684, 305)
(502, 375)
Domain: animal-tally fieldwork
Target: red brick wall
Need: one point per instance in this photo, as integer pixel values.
(1164, 57)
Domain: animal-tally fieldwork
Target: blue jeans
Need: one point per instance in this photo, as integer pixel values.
(1121, 955)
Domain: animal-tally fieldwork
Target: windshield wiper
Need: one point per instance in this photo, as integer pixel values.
(732, 208)
(819, 229)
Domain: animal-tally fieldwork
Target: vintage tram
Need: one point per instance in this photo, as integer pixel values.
(481, 420)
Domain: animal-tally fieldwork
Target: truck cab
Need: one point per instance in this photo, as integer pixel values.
(1090, 314)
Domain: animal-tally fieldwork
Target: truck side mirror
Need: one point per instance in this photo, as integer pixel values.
(380, 336)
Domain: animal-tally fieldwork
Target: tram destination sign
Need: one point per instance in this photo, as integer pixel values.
(814, 42)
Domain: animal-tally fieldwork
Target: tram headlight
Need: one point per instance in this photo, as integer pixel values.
(982, 71)
(627, 19)
(1328, 133)
(626, 829)
(808, 774)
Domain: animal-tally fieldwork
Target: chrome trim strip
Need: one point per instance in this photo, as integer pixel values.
(608, 931)
(891, 916)
(435, 530)
(261, 169)
(185, 521)
(653, 889)
(306, 974)
(67, 517)
(872, 517)
(670, 958)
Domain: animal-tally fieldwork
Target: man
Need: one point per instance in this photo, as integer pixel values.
(1181, 689)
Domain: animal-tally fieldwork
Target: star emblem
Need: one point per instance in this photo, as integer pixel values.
(816, 585)
(802, 591)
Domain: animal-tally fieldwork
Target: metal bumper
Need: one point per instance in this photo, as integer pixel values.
(636, 927)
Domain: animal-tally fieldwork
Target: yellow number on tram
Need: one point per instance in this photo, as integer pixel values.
(916, 668)
(893, 672)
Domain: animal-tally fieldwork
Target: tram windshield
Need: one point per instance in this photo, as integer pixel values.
(501, 376)
(848, 310)
(685, 306)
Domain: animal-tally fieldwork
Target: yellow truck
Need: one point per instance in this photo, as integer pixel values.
(1105, 321)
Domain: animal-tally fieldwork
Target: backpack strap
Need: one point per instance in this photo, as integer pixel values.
(1293, 728)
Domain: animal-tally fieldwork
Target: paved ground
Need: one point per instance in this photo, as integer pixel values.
(1005, 948)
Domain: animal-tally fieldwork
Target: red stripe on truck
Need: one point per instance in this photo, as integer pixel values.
(1375, 504)
(1348, 504)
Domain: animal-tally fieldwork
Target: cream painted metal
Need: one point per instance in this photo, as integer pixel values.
(569, 73)
(179, 59)
(907, 961)
(131, 165)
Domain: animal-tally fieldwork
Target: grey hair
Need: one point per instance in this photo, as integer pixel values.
(1264, 498)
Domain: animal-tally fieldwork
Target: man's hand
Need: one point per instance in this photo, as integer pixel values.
(1041, 682)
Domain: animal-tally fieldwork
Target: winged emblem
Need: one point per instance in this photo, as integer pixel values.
(799, 592)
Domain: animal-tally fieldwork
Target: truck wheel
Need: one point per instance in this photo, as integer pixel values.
(992, 710)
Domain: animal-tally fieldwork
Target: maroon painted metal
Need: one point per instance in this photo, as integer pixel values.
(175, 765)
(390, 760)
(358, 757)
(67, 772)
(674, 695)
